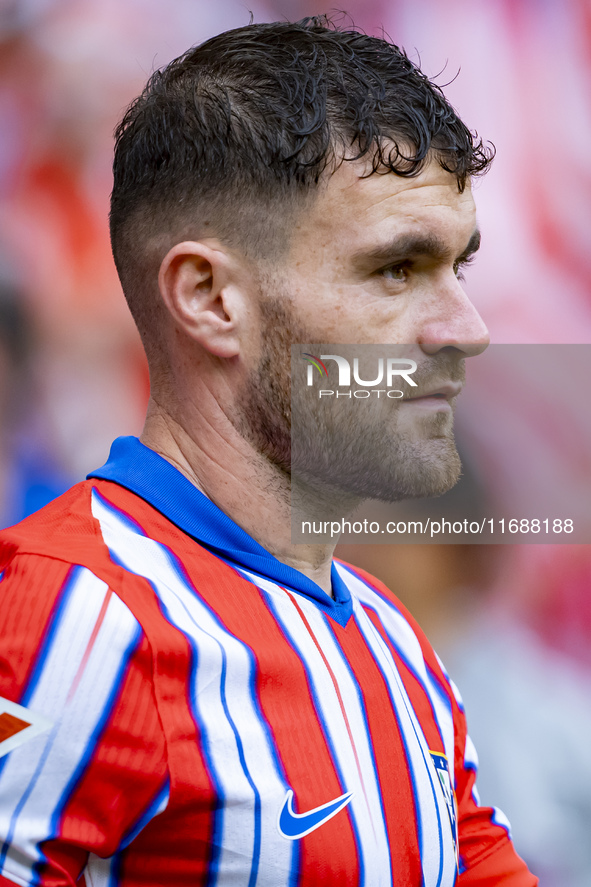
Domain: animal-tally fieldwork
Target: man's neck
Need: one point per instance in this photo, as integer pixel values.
(240, 481)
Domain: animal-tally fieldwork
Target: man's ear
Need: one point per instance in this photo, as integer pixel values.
(198, 284)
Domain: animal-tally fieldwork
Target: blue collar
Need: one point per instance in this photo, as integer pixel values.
(141, 470)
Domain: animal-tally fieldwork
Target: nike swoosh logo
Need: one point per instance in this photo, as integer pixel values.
(294, 825)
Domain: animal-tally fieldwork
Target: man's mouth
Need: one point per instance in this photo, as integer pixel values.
(437, 397)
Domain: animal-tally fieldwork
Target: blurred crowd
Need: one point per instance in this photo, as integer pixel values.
(512, 623)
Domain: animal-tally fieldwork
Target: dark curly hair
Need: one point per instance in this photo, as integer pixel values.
(231, 138)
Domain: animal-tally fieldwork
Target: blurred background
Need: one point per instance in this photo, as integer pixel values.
(512, 623)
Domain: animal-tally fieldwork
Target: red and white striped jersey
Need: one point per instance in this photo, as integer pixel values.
(180, 708)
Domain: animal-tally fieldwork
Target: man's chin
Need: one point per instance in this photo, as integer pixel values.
(424, 470)
(428, 475)
(427, 484)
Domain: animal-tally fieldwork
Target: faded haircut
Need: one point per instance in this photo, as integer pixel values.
(233, 138)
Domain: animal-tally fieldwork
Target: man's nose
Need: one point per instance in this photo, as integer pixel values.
(454, 322)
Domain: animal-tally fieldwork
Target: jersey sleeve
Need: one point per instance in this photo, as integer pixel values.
(82, 752)
(487, 856)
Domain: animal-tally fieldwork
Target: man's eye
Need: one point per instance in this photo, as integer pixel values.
(395, 272)
(459, 266)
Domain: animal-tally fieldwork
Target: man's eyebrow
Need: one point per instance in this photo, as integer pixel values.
(407, 246)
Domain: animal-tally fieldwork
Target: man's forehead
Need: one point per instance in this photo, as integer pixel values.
(354, 185)
(356, 209)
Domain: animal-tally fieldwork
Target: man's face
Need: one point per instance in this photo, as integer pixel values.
(374, 261)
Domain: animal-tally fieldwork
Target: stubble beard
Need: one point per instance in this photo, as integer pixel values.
(334, 453)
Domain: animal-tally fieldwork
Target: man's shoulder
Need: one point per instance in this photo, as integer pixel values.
(57, 530)
(78, 529)
(66, 530)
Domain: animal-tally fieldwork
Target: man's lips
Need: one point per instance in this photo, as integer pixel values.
(445, 391)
